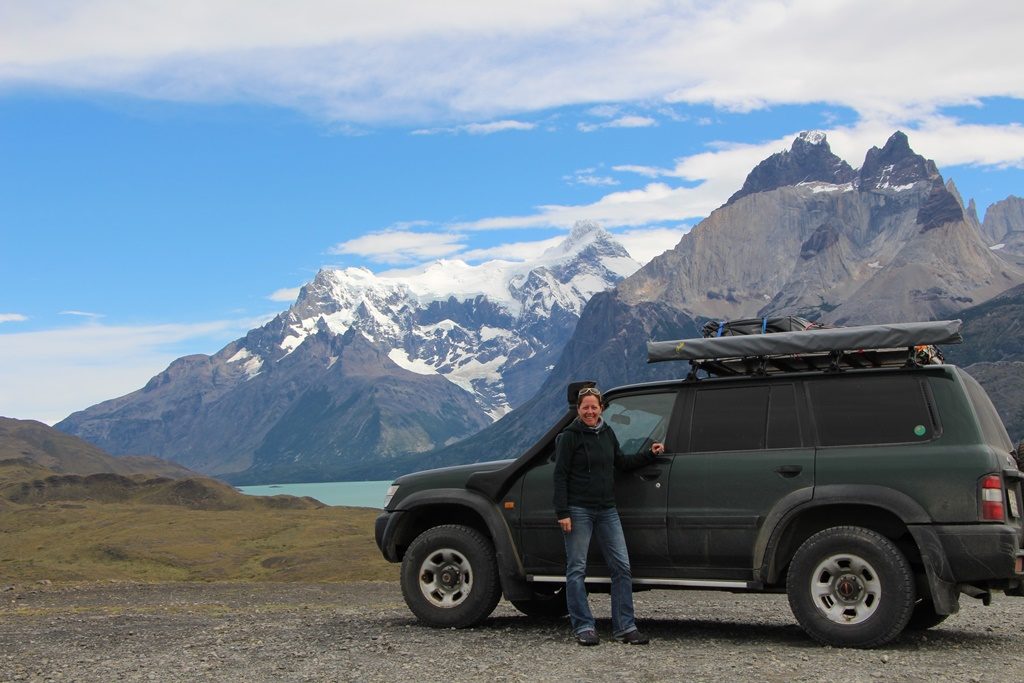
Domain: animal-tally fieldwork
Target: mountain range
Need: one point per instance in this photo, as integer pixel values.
(366, 376)
(365, 367)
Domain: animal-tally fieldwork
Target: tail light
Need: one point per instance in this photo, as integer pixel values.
(992, 498)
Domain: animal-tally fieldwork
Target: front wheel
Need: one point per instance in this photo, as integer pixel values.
(450, 577)
(851, 587)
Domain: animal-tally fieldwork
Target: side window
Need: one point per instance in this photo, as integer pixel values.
(870, 410)
(783, 422)
(729, 419)
(640, 420)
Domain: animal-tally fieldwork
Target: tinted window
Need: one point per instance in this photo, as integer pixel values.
(745, 418)
(867, 410)
(729, 419)
(638, 421)
(783, 425)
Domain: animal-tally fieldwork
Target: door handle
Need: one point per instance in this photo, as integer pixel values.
(650, 476)
(789, 470)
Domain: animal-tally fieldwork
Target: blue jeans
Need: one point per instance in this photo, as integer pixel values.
(606, 524)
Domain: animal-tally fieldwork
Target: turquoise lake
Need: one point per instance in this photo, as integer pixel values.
(362, 494)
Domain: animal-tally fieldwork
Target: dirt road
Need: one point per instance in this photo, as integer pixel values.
(363, 632)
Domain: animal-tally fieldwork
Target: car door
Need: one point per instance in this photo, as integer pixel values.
(745, 452)
(641, 494)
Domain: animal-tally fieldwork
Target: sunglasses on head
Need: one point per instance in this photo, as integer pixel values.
(588, 391)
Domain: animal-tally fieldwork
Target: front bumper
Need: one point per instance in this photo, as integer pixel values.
(383, 533)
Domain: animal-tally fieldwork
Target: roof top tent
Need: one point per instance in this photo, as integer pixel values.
(833, 349)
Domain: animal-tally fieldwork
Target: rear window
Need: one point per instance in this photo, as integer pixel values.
(992, 429)
(871, 410)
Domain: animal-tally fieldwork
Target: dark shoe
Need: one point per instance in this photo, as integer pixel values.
(634, 637)
(588, 638)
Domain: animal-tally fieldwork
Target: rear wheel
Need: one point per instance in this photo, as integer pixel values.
(548, 602)
(851, 587)
(450, 577)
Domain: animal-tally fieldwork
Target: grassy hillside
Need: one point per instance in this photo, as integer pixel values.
(68, 454)
(110, 527)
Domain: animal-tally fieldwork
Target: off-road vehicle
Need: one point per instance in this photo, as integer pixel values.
(843, 467)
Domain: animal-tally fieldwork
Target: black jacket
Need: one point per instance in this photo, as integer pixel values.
(585, 463)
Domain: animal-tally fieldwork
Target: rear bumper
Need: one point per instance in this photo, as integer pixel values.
(981, 552)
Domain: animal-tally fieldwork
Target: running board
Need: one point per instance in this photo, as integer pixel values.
(690, 583)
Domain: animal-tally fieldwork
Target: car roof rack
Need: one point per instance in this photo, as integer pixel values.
(826, 349)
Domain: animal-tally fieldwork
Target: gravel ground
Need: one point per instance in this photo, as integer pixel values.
(364, 632)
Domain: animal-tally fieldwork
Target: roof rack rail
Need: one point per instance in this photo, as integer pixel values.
(828, 349)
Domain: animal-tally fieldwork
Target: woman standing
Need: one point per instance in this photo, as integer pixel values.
(587, 455)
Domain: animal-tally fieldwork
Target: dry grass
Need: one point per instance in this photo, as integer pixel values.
(111, 528)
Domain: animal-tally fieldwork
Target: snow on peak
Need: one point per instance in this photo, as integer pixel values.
(814, 137)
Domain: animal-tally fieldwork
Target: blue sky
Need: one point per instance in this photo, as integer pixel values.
(170, 173)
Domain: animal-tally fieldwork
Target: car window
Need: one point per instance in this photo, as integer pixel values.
(640, 420)
(870, 410)
(744, 418)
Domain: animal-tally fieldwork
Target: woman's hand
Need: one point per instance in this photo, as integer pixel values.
(657, 448)
(566, 524)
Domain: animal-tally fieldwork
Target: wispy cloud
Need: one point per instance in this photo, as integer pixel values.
(414, 61)
(50, 374)
(287, 295)
(402, 247)
(12, 318)
(479, 128)
(590, 177)
(621, 122)
(83, 314)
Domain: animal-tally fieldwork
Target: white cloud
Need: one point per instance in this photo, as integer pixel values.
(397, 247)
(287, 294)
(643, 245)
(622, 122)
(461, 60)
(50, 374)
(590, 177)
(513, 251)
(12, 318)
(479, 128)
(83, 314)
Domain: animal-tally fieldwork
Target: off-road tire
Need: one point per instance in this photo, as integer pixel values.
(546, 604)
(851, 587)
(450, 577)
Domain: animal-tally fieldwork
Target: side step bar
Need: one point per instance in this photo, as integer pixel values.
(690, 583)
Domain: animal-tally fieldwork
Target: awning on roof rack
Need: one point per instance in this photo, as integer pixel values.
(889, 336)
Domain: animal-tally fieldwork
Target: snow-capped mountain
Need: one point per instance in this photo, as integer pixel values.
(390, 364)
(471, 324)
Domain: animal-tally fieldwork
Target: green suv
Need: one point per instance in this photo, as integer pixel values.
(871, 487)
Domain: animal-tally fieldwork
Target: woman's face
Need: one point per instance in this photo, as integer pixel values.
(589, 410)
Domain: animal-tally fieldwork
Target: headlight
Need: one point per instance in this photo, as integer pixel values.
(392, 490)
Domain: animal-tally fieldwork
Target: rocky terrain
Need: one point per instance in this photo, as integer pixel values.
(363, 632)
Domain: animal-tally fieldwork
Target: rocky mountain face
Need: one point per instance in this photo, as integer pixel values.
(808, 236)
(1003, 228)
(892, 242)
(365, 368)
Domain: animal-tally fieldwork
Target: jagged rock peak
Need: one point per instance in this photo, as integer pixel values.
(809, 159)
(896, 166)
(583, 235)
